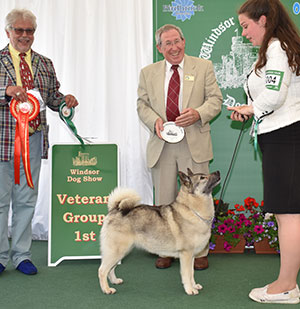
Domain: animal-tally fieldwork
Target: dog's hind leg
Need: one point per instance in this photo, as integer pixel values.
(187, 272)
(113, 278)
(103, 271)
(112, 253)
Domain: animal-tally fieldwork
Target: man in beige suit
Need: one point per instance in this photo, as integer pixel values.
(199, 101)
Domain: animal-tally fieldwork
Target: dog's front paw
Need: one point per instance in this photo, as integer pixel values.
(198, 286)
(191, 291)
(109, 291)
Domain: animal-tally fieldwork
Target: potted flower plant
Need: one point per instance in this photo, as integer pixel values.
(263, 231)
(245, 224)
(228, 229)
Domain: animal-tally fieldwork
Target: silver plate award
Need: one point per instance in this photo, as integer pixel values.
(172, 133)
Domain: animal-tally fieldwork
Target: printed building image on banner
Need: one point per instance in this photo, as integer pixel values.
(212, 31)
(82, 179)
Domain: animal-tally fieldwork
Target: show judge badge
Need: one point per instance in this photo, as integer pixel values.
(189, 78)
(24, 112)
(172, 133)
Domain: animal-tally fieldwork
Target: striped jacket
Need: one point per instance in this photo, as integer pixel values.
(44, 80)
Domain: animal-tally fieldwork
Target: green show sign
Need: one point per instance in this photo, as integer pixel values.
(82, 178)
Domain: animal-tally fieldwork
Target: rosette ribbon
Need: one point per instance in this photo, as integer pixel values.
(66, 114)
(23, 112)
(257, 122)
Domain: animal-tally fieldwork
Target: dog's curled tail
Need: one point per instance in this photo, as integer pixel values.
(123, 198)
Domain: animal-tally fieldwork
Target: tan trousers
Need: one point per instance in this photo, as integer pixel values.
(174, 158)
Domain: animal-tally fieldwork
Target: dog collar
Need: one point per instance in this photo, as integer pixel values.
(207, 221)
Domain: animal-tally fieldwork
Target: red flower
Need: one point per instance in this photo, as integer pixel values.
(222, 228)
(238, 224)
(258, 229)
(231, 229)
(228, 221)
(239, 207)
(227, 246)
(248, 223)
(242, 217)
(249, 202)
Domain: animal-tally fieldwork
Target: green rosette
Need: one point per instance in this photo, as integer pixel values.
(66, 114)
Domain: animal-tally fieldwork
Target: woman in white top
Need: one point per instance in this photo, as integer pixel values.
(273, 90)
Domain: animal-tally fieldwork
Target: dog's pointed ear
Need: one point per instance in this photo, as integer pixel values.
(190, 173)
(184, 179)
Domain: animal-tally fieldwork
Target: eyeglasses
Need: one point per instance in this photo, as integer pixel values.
(177, 42)
(20, 31)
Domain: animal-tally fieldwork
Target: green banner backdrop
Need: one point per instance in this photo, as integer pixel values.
(82, 178)
(212, 31)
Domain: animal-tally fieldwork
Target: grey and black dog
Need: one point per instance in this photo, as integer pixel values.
(181, 229)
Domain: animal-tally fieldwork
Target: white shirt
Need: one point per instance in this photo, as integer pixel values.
(276, 92)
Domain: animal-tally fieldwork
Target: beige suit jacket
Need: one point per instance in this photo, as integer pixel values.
(200, 92)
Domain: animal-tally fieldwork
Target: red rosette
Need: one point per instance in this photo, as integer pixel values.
(34, 107)
(23, 112)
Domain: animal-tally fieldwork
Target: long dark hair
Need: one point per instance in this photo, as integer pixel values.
(279, 25)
